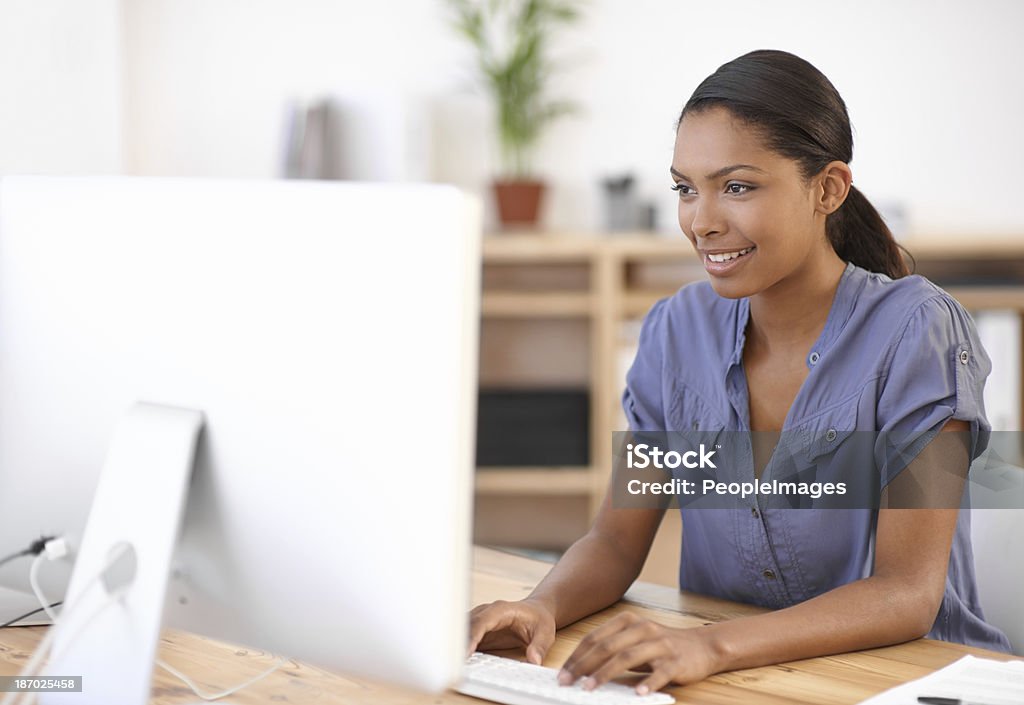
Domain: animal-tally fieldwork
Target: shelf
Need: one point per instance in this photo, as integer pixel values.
(988, 297)
(516, 247)
(534, 480)
(973, 247)
(555, 247)
(638, 303)
(652, 248)
(555, 304)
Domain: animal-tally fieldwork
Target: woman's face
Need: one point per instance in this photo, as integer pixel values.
(746, 209)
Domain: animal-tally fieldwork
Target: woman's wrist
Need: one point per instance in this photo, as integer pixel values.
(719, 647)
(545, 603)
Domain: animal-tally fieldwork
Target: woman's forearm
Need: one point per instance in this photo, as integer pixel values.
(864, 614)
(593, 574)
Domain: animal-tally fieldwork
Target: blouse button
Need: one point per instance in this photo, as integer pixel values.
(753, 512)
(830, 435)
(770, 574)
(695, 425)
(964, 357)
(814, 358)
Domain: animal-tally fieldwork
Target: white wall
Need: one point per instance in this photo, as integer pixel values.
(207, 80)
(930, 84)
(60, 86)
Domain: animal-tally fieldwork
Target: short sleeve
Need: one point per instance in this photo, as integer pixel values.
(642, 400)
(936, 372)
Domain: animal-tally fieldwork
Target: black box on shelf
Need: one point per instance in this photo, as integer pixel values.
(541, 427)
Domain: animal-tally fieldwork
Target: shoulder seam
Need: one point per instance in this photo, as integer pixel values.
(903, 327)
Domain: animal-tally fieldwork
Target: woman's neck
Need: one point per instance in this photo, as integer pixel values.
(792, 313)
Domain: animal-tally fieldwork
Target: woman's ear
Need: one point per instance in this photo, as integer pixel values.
(834, 183)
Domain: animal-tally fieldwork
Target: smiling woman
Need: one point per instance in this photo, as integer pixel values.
(810, 325)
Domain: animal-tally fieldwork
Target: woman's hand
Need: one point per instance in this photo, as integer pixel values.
(507, 625)
(628, 642)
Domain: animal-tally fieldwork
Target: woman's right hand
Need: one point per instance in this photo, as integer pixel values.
(507, 625)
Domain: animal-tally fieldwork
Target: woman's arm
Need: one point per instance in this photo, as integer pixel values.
(597, 570)
(898, 602)
(593, 574)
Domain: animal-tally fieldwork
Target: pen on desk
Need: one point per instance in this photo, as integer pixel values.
(930, 700)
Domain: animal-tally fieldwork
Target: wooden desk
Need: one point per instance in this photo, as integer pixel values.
(832, 680)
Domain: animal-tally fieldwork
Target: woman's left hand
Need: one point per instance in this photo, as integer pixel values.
(628, 642)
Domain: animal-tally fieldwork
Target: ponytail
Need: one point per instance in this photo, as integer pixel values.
(801, 115)
(858, 234)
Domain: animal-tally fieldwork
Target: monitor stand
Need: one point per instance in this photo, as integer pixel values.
(109, 628)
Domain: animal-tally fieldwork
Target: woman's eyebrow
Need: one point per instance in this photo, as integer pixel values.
(720, 173)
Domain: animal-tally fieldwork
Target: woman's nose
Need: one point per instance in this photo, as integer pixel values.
(705, 219)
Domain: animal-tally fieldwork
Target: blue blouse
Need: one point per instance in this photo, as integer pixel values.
(899, 357)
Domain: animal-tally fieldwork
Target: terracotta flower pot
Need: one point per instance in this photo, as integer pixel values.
(518, 202)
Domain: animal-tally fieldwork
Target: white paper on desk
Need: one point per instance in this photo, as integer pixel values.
(971, 679)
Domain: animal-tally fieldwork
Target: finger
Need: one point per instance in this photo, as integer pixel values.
(626, 659)
(599, 645)
(501, 639)
(543, 638)
(602, 644)
(658, 679)
(500, 617)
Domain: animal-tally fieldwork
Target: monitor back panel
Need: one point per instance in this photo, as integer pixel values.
(328, 333)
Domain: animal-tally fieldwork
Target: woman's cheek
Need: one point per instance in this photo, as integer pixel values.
(685, 215)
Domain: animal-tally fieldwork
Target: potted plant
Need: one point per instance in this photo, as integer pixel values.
(510, 39)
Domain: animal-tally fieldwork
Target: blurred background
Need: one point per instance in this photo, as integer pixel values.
(204, 88)
(390, 91)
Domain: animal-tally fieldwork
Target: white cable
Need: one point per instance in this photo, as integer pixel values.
(69, 640)
(40, 651)
(43, 647)
(35, 663)
(223, 694)
(33, 579)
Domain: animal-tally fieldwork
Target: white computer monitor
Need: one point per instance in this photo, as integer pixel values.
(327, 334)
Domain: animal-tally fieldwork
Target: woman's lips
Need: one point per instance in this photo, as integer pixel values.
(728, 266)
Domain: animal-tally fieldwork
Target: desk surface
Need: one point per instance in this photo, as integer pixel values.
(831, 680)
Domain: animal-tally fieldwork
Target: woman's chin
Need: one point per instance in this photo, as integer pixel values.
(731, 287)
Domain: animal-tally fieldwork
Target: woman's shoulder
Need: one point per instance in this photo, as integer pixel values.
(912, 287)
(898, 301)
(910, 317)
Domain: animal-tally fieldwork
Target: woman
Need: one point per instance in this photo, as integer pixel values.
(809, 323)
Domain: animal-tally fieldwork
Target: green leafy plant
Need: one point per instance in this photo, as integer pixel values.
(510, 38)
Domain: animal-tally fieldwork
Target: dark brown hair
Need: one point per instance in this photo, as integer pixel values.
(802, 116)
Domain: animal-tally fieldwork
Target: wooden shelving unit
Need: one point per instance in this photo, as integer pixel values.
(568, 307)
(536, 288)
(536, 305)
(526, 481)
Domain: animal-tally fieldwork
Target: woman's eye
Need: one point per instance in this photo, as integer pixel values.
(682, 189)
(737, 189)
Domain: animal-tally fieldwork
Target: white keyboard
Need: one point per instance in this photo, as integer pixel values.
(512, 682)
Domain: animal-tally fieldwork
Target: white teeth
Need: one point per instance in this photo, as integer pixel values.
(726, 256)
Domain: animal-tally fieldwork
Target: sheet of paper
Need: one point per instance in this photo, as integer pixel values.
(974, 681)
